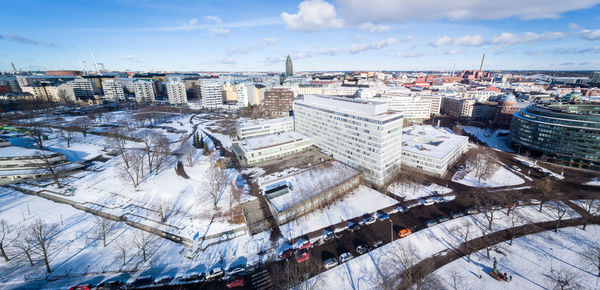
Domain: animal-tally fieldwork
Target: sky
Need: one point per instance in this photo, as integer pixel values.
(333, 35)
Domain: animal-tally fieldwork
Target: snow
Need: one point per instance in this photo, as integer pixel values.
(16, 151)
(533, 164)
(500, 177)
(431, 141)
(594, 182)
(490, 137)
(273, 140)
(362, 200)
(529, 261)
(368, 271)
(412, 191)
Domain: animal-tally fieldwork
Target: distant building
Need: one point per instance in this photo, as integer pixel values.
(366, 135)
(11, 82)
(229, 93)
(43, 91)
(505, 109)
(289, 69)
(63, 72)
(259, 149)
(458, 108)
(176, 93)
(278, 102)
(413, 108)
(79, 90)
(113, 90)
(264, 127)
(243, 93)
(144, 91)
(595, 78)
(436, 103)
(211, 94)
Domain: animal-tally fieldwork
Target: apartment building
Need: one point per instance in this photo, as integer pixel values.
(211, 94)
(176, 93)
(113, 90)
(259, 149)
(459, 108)
(43, 91)
(256, 128)
(144, 91)
(363, 134)
(436, 103)
(278, 102)
(413, 108)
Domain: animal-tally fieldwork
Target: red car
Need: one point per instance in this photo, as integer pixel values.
(302, 256)
(81, 287)
(305, 245)
(235, 281)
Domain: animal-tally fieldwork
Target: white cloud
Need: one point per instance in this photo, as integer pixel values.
(213, 18)
(508, 39)
(589, 34)
(374, 28)
(356, 48)
(25, 40)
(272, 59)
(451, 51)
(218, 31)
(470, 40)
(313, 15)
(358, 11)
(409, 54)
(441, 41)
(408, 38)
(260, 46)
(535, 52)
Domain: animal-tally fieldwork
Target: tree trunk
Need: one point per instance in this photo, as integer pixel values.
(541, 204)
(556, 229)
(469, 258)
(487, 252)
(47, 264)
(144, 254)
(511, 240)
(3, 253)
(29, 258)
(584, 225)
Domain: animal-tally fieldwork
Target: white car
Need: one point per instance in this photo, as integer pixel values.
(345, 257)
(214, 273)
(428, 202)
(534, 201)
(368, 219)
(330, 263)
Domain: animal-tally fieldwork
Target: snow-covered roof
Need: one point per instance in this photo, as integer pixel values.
(362, 107)
(430, 141)
(257, 143)
(262, 122)
(18, 151)
(307, 183)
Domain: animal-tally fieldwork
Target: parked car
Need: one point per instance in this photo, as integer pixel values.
(377, 244)
(233, 270)
(193, 276)
(286, 254)
(111, 285)
(404, 233)
(431, 223)
(330, 263)
(382, 215)
(442, 219)
(509, 205)
(428, 202)
(472, 210)
(303, 244)
(81, 287)
(302, 256)
(345, 257)
(427, 183)
(513, 167)
(496, 207)
(142, 280)
(521, 202)
(163, 280)
(352, 226)
(368, 219)
(327, 235)
(456, 214)
(534, 201)
(361, 249)
(439, 199)
(461, 168)
(401, 209)
(235, 281)
(214, 273)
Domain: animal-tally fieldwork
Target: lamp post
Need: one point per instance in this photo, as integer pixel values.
(391, 230)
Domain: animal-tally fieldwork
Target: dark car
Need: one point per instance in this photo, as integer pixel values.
(431, 223)
(442, 219)
(142, 280)
(111, 285)
(352, 226)
(401, 209)
(382, 215)
(361, 249)
(456, 214)
(286, 254)
(192, 277)
(328, 235)
(163, 280)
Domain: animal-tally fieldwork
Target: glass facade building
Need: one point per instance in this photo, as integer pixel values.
(567, 134)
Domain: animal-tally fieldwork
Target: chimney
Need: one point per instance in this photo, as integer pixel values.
(482, 60)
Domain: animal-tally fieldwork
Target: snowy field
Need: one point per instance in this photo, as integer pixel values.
(530, 261)
(490, 137)
(500, 177)
(412, 191)
(368, 271)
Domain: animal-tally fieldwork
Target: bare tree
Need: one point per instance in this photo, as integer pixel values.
(103, 227)
(591, 256)
(188, 151)
(217, 182)
(465, 231)
(84, 124)
(563, 279)
(592, 208)
(544, 188)
(68, 135)
(483, 163)
(406, 262)
(456, 277)
(486, 204)
(122, 245)
(558, 210)
(515, 229)
(297, 275)
(164, 208)
(37, 133)
(25, 244)
(4, 232)
(44, 235)
(132, 167)
(143, 241)
(146, 136)
(160, 150)
(51, 166)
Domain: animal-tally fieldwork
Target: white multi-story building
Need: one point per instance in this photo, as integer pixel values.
(43, 91)
(363, 134)
(144, 91)
(256, 128)
(413, 108)
(113, 90)
(436, 103)
(431, 149)
(260, 149)
(243, 93)
(176, 93)
(211, 94)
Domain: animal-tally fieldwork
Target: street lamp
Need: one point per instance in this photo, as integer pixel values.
(391, 230)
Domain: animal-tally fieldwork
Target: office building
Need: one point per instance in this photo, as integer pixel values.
(366, 135)
(176, 93)
(256, 128)
(113, 90)
(278, 102)
(458, 108)
(260, 149)
(211, 94)
(413, 108)
(144, 91)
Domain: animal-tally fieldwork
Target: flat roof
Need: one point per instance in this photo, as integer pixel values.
(307, 183)
(262, 142)
(18, 151)
(430, 141)
(371, 109)
(261, 122)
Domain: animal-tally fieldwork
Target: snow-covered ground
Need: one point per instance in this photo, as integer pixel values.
(594, 182)
(530, 261)
(500, 177)
(491, 137)
(412, 191)
(368, 271)
(533, 164)
(362, 200)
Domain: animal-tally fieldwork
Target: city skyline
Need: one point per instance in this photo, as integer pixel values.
(318, 35)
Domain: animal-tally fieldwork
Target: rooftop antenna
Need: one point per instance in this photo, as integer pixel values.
(482, 60)
(96, 63)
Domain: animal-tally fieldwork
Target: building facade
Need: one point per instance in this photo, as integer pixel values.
(176, 93)
(144, 91)
(363, 134)
(260, 149)
(211, 94)
(567, 134)
(278, 102)
(412, 108)
(289, 68)
(113, 90)
(458, 108)
(256, 128)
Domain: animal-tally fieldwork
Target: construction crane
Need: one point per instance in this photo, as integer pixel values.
(13, 67)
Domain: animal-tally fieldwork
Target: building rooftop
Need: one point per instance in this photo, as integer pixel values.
(353, 106)
(18, 151)
(258, 143)
(430, 141)
(262, 122)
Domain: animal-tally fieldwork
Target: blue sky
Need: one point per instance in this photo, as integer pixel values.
(251, 35)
